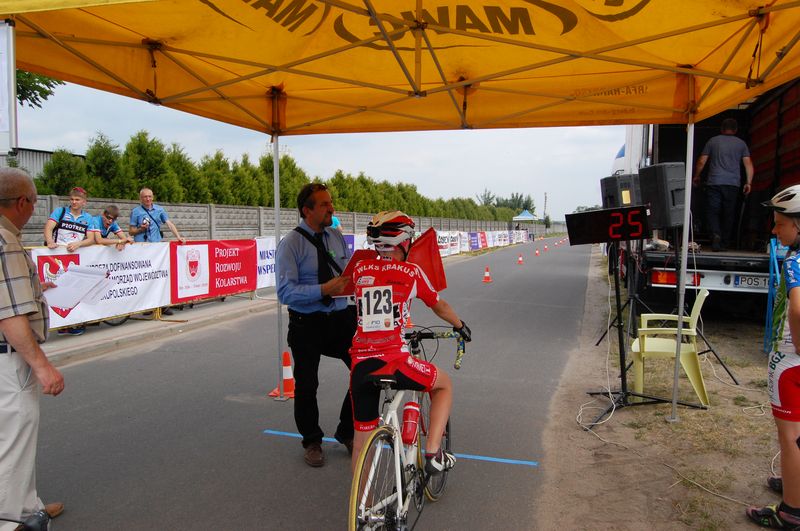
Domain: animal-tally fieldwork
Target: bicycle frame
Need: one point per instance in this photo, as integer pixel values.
(409, 478)
(403, 459)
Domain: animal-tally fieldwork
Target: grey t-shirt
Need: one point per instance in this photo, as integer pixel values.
(725, 154)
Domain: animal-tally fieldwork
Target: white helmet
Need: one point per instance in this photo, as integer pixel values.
(786, 201)
(390, 228)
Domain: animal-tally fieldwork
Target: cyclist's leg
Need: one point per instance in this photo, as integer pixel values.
(359, 438)
(441, 404)
(366, 397)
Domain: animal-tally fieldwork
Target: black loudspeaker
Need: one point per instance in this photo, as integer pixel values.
(620, 191)
(662, 187)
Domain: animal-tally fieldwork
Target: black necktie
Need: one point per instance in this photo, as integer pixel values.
(323, 269)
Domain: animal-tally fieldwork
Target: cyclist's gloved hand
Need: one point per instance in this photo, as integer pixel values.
(465, 332)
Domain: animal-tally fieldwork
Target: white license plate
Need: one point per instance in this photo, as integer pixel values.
(748, 281)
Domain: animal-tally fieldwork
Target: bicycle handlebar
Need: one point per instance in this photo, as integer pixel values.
(417, 335)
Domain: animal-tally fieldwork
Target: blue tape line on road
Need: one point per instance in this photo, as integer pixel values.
(498, 460)
(468, 457)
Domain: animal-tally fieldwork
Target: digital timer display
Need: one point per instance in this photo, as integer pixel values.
(607, 225)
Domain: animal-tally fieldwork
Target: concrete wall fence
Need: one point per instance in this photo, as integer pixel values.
(218, 222)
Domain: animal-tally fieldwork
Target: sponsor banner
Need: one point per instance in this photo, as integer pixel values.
(483, 241)
(465, 240)
(142, 273)
(455, 246)
(443, 238)
(212, 268)
(361, 242)
(350, 240)
(265, 264)
(474, 241)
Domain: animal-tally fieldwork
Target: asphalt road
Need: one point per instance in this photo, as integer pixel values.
(171, 435)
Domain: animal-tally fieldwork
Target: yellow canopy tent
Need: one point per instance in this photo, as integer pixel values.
(390, 65)
(290, 67)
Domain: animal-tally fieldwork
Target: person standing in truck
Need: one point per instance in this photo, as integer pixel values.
(724, 154)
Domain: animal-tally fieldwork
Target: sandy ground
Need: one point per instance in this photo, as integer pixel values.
(637, 470)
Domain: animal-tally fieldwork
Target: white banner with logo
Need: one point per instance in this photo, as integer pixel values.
(463, 238)
(455, 246)
(265, 261)
(193, 271)
(443, 239)
(141, 272)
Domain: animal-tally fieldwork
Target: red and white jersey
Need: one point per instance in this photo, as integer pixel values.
(384, 290)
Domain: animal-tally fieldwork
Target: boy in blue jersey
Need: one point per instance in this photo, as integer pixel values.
(783, 373)
(105, 225)
(69, 225)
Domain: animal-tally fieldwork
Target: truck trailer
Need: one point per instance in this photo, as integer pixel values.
(770, 125)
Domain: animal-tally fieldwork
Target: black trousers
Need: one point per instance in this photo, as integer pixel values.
(721, 210)
(310, 337)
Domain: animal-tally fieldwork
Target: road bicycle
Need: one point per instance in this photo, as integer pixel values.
(390, 475)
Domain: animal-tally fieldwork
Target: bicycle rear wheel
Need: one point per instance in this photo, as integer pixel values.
(434, 488)
(117, 320)
(373, 494)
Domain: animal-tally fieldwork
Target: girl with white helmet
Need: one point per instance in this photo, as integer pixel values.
(389, 284)
(783, 381)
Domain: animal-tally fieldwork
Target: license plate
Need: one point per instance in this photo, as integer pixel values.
(749, 281)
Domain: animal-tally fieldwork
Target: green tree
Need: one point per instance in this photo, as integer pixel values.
(217, 170)
(583, 208)
(528, 205)
(102, 165)
(143, 165)
(34, 89)
(61, 173)
(486, 198)
(293, 178)
(246, 177)
(193, 184)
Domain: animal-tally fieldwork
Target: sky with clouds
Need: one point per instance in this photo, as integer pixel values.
(564, 163)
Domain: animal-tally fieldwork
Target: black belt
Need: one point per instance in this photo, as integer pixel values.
(5, 348)
(314, 315)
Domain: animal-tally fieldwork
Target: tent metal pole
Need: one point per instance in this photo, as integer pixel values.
(11, 88)
(276, 183)
(687, 207)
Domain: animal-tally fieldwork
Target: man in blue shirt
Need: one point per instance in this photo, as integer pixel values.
(147, 219)
(308, 260)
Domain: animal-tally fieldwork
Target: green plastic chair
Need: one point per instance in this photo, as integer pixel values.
(650, 345)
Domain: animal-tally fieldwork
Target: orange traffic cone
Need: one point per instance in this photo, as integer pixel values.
(545, 248)
(288, 378)
(487, 277)
(520, 261)
(409, 323)
(537, 252)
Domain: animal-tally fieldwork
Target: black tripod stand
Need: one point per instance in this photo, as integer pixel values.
(620, 398)
(634, 301)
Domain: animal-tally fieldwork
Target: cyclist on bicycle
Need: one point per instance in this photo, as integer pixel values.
(384, 290)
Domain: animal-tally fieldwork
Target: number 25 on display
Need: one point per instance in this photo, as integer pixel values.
(625, 227)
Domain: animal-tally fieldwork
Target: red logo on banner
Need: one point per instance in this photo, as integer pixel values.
(193, 263)
(53, 266)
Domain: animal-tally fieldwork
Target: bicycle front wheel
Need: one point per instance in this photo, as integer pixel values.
(434, 487)
(374, 497)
